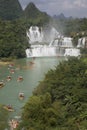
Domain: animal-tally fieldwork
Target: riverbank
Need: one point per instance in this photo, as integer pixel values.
(6, 61)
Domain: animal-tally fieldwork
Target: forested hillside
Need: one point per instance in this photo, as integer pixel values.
(59, 102)
(14, 22)
(13, 25)
(13, 40)
(70, 26)
(34, 16)
(10, 9)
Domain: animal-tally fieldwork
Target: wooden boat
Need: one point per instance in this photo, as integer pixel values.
(12, 71)
(11, 65)
(2, 84)
(8, 78)
(13, 123)
(21, 96)
(20, 78)
(8, 108)
(31, 62)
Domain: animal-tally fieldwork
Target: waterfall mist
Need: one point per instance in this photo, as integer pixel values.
(49, 42)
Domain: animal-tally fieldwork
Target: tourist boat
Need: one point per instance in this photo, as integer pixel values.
(11, 65)
(13, 124)
(20, 78)
(2, 84)
(8, 108)
(12, 71)
(21, 95)
(8, 78)
(31, 62)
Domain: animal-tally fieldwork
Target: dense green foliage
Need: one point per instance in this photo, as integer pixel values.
(13, 41)
(71, 26)
(3, 118)
(35, 16)
(10, 9)
(60, 100)
(83, 52)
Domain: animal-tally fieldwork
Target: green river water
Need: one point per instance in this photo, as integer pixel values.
(32, 74)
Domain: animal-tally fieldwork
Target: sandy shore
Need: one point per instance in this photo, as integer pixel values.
(5, 63)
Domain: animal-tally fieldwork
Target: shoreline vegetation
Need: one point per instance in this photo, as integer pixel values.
(59, 101)
(6, 61)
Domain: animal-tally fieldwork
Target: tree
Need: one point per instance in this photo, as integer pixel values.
(3, 118)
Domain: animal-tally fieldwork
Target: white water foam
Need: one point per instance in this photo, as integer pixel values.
(51, 44)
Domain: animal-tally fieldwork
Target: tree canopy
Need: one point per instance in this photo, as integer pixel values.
(59, 101)
(10, 9)
(4, 115)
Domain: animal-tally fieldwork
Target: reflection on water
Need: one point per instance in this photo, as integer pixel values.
(32, 72)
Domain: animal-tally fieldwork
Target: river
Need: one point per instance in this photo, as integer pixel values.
(32, 73)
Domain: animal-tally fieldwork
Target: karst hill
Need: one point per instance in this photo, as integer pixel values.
(12, 9)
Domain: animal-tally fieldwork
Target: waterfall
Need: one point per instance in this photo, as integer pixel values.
(48, 43)
(81, 42)
(35, 34)
(72, 52)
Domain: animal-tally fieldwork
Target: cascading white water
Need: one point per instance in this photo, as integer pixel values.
(81, 42)
(41, 51)
(48, 44)
(35, 34)
(72, 52)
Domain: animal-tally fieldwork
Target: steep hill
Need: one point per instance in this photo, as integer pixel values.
(10, 9)
(33, 13)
